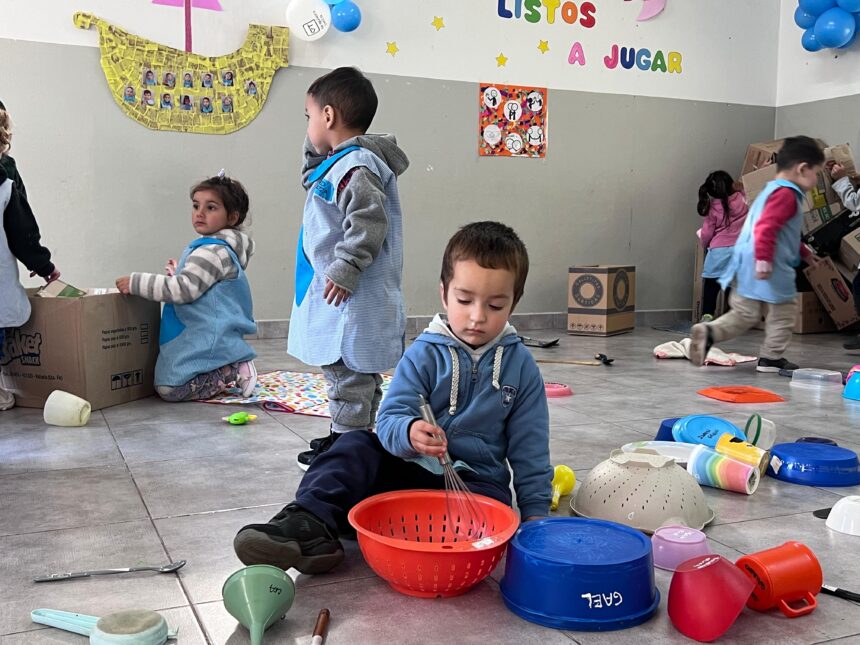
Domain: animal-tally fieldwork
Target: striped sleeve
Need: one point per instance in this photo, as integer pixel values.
(204, 266)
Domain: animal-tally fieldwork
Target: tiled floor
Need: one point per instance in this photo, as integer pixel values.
(151, 482)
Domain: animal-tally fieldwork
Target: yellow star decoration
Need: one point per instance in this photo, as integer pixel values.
(543, 46)
(392, 48)
(501, 60)
(438, 22)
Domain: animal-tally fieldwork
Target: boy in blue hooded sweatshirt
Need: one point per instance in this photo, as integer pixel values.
(486, 393)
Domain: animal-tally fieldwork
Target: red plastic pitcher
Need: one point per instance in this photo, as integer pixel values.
(785, 575)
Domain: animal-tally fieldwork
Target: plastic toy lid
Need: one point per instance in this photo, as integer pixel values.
(579, 541)
(825, 440)
(556, 390)
(704, 429)
(741, 394)
(814, 464)
(677, 450)
(815, 378)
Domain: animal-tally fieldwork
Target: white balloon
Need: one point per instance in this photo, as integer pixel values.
(308, 19)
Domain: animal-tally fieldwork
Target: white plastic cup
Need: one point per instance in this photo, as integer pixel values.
(68, 410)
(761, 432)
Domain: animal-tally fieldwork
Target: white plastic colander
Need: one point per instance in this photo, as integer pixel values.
(643, 491)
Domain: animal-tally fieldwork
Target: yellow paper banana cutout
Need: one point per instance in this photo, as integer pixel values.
(169, 89)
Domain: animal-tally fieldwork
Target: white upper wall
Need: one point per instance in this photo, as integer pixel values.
(805, 76)
(728, 47)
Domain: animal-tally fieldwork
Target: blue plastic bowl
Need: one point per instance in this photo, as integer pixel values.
(580, 574)
(852, 388)
(814, 464)
(829, 442)
(704, 429)
(665, 431)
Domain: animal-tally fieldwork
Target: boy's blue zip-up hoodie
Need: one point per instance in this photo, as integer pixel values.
(492, 410)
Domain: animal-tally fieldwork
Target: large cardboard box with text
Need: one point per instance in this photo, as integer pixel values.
(601, 300)
(834, 292)
(821, 204)
(101, 348)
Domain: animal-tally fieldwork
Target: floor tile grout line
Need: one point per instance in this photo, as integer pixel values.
(164, 548)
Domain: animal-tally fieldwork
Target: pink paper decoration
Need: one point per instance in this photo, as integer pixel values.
(212, 5)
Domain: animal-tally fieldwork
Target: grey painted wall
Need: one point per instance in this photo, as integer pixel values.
(618, 185)
(834, 120)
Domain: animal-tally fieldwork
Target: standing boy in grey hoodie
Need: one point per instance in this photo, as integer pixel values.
(348, 315)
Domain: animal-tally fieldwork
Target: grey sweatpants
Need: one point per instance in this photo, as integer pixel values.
(745, 313)
(353, 397)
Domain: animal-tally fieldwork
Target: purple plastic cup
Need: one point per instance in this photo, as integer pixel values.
(675, 544)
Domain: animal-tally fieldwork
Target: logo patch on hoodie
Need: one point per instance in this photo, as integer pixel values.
(509, 393)
(324, 189)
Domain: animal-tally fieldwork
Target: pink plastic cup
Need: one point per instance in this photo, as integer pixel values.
(675, 544)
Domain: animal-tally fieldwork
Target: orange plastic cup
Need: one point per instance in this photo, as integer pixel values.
(784, 576)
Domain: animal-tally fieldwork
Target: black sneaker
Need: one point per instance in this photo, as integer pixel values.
(293, 538)
(702, 340)
(306, 458)
(853, 345)
(316, 443)
(775, 365)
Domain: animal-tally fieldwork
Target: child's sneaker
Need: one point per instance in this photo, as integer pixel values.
(775, 365)
(7, 399)
(293, 538)
(702, 341)
(247, 379)
(851, 346)
(306, 458)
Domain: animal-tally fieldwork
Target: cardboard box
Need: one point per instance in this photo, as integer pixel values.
(849, 249)
(760, 155)
(101, 348)
(601, 300)
(827, 240)
(821, 203)
(834, 292)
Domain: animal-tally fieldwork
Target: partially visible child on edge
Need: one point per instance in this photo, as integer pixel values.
(208, 308)
(766, 254)
(348, 315)
(19, 241)
(496, 417)
(722, 203)
(850, 199)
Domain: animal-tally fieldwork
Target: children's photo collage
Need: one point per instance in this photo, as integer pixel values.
(187, 90)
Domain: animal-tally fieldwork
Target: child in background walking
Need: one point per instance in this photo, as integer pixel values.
(766, 254)
(722, 203)
(207, 298)
(850, 199)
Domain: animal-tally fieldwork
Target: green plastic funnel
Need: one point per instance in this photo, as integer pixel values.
(258, 596)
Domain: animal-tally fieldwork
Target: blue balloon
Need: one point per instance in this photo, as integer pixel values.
(803, 19)
(817, 7)
(334, 2)
(809, 41)
(852, 6)
(345, 16)
(835, 27)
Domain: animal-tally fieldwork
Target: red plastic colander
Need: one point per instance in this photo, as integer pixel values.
(407, 538)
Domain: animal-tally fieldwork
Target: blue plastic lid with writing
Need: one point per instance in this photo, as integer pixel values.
(814, 464)
(704, 429)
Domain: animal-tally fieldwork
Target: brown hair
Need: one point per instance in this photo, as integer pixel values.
(5, 131)
(231, 192)
(493, 246)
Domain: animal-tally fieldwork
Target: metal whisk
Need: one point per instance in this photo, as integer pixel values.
(465, 515)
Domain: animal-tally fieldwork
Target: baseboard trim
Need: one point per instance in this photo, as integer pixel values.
(272, 329)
